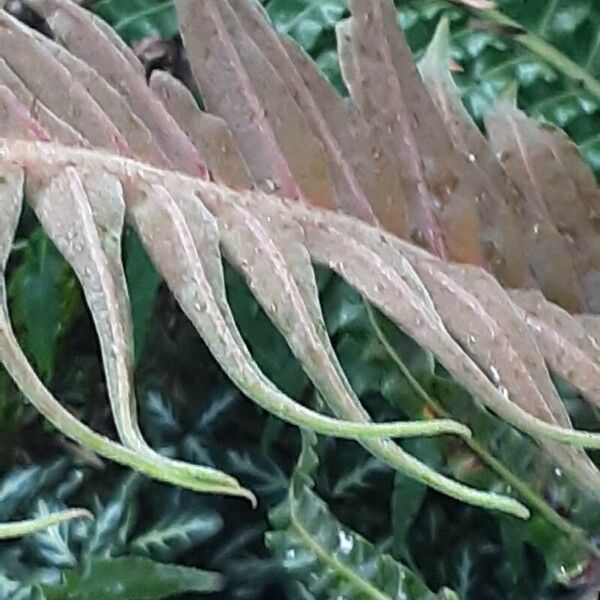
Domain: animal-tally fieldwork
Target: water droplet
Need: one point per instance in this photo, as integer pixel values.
(290, 554)
(269, 185)
(495, 375)
(346, 542)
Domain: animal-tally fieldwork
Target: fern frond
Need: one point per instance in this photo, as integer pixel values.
(101, 146)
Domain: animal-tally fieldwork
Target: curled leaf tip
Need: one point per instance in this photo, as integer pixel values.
(505, 504)
(464, 432)
(22, 528)
(244, 493)
(520, 511)
(81, 513)
(431, 428)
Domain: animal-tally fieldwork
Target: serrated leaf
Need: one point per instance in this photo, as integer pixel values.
(175, 534)
(329, 559)
(21, 485)
(18, 485)
(132, 578)
(158, 417)
(352, 482)
(108, 534)
(54, 544)
(260, 473)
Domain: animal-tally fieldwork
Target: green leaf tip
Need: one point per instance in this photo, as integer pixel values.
(22, 528)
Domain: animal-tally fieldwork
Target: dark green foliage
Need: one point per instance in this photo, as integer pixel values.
(137, 19)
(144, 282)
(44, 299)
(325, 558)
(132, 578)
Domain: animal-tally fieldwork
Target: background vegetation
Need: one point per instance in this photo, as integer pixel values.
(189, 410)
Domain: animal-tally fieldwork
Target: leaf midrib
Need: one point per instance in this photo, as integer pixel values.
(324, 556)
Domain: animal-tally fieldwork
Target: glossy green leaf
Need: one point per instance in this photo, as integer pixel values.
(175, 533)
(329, 560)
(143, 282)
(307, 21)
(374, 370)
(137, 19)
(264, 340)
(132, 578)
(408, 496)
(45, 300)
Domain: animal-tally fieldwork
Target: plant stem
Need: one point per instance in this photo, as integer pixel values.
(560, 61)
(532, 497)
